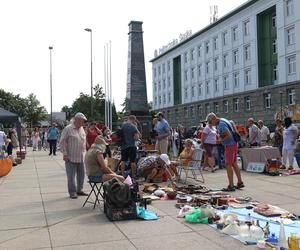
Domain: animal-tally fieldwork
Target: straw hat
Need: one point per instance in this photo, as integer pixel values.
(100, 140)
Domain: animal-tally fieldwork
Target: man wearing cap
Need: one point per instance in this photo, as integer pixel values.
(163, 131)
(72, 145)
(152, 166)
(96, 169)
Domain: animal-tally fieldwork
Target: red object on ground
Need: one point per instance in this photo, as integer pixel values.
(164, 176)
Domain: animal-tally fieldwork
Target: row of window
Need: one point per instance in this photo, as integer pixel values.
(206, 108)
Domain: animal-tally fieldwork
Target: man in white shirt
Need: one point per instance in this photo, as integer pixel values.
(2, 140)
(254, 134)
(265, 133)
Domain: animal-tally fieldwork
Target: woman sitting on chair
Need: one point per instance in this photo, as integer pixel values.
(96, 168)
(187, 155)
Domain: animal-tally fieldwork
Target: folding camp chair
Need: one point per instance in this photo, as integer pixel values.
(96, 188)
(194, 166)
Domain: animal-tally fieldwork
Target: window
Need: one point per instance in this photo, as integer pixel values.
(164, 83)
(159, 85)
(185, 57)
(159, 70)
(247, 28)
(155, 86)
(247, 103)
(274, 46)
(199, 89)
(217, 85)
(199, 50)
(192, 54)
(207, 87)
(163, 68)
(289, 7)
(267, 98)
(185, 93)
(225, 106)
(274, 21)
(154, 72)
(169, 97)
(207, 46)
(207, 67)
(207, 109)
(193, 73)
(164, 99)
(225, 82)
(247, 52)
(191, 111)
(291, 96)
(199, 69)
(235, 33)
(236, 104)
(216, 62)
(290, 35)
(216, 107)
(193, 91)
(216, 43)
(159, 100)
(236, 77)
(200, 110)
(155, 100)
(247, 76)
(225, 60)
(186, 112)
(225, 38)
(275, 72)
(292, 65)
(169, 81)
(235, 56)
(185, 75)
(169, 65)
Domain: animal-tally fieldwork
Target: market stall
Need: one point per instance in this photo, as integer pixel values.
(259, 155)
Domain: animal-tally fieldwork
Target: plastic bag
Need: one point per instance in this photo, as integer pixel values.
(196, 217)
(185, 210)
(145, 214)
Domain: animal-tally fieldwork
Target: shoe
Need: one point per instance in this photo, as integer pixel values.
(73, 196)
(229, 189)
(290, 168)
(240, 185)
(282, 167)
(54, 154)
(50, 153)
(81, 193)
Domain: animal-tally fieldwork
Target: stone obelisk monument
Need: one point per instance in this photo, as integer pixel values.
(136, 95)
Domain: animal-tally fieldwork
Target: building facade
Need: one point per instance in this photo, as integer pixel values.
(244, 64)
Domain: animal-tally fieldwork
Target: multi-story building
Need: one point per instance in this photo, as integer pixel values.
(242, 65)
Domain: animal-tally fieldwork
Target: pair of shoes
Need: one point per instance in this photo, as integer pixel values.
(240, 185)
(81, 193)
(73, 196)
(229, 189)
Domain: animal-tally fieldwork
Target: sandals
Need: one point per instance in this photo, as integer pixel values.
(240, 185)
(229, 189)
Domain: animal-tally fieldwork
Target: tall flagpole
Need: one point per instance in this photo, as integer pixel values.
(105, 104)
(110, 90)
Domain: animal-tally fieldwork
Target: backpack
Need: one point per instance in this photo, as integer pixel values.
(236, 136)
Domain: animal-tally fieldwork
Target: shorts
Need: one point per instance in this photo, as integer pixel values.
(231, 154)
(97, 179)
(128, 153)
(208, 149)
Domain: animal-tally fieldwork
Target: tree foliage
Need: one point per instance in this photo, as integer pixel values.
(29, 109)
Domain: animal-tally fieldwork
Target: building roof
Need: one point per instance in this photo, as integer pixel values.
(210, 26)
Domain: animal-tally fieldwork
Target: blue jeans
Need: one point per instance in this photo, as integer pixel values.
(75, 169)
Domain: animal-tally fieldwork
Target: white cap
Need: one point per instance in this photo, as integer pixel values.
(80, 115)
(165, 158)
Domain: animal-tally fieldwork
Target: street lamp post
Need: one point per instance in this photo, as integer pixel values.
(50, 49)
(90, 30)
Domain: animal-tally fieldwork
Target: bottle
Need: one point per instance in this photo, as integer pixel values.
(282, 239)
(272, 239)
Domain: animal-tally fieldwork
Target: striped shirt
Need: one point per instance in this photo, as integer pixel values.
(72, 143)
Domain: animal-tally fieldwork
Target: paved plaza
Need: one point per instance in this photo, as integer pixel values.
(36, 213)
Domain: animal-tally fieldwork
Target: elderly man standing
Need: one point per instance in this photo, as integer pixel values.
(265, 133)
(254, 134)
(72, 145)
(163, 131)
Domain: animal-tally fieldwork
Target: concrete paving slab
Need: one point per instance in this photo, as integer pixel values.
(112, 245)
(139, 229)
(30, 240)
(189, 240)
(65, 235)
(13, 207)
(11, 234)
(18, 221)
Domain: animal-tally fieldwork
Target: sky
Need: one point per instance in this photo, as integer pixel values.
(29, 27)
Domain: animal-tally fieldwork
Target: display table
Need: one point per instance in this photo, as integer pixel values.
(259, 154)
